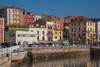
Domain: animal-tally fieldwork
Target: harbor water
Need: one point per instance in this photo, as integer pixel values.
(85, 61)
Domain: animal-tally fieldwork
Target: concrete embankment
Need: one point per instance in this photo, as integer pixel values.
(38, 53)
(5, 61)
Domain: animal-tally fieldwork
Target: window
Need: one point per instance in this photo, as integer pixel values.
(79, 24)
(0, 11)
(90, 29)
(56, 37)
(9, 35)
(43, 32)
(72, 29)
(91, 24)
(79, 29)
(9, 11)
(9, 19)
(84, 30)
(9, 15)
(60, 32)
(18, 35)
(83, 34)
(84, 23)
(13, 11)
(43, 38)
(88, 24)
(74, 24)
(38, 38)
(32, 30)
(60, 37)
(79, 35)
(55, 32)
(37, 32)
(13, 35)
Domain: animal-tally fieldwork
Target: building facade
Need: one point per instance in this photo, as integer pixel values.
(11, 15)
(98, 31)
(28, 18)
(49, 27)
(58, 22)
(1, 30)
(82, 32)
(58, 34)
(41, 32)
(20, 37)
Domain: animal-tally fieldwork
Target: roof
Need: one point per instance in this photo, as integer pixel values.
(51, 16)
(78, 19)
(10, 7)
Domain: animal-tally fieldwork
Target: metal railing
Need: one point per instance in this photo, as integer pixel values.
(8, 50)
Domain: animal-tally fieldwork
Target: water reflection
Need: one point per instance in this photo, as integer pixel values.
(69, 62)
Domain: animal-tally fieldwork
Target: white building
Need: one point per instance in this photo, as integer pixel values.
(98, 31)
(20, 37)
(49, 27)
(37, 17)
(41, 32)
(11, 15)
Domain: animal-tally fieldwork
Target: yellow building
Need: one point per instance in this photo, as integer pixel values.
(82, 32)
(58, 34)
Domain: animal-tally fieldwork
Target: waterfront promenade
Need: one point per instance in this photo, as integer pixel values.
(48, 52)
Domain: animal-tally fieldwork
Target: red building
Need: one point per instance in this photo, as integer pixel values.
(1, 30)
(28, 18)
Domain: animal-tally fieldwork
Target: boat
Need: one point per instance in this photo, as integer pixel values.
(18, 56)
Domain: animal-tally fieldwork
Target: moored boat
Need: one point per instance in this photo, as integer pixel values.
(18, 56)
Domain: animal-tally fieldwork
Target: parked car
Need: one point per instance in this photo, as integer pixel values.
(46, 45)
(41, 45)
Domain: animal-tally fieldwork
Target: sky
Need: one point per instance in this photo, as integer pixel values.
(60, 8)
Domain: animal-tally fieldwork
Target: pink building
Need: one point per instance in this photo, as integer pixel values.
(28, 18)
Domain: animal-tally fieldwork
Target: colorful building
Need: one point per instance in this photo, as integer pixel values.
(20, 37)
(82, 30)
(58, 34)
(98, 31)
(28, 18)
(11, 15)
(1, 30)
(58, 22)
(49, 27)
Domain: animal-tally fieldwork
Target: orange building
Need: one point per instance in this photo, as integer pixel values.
(1, 30)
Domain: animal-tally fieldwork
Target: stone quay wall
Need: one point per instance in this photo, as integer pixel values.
(57, 52)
